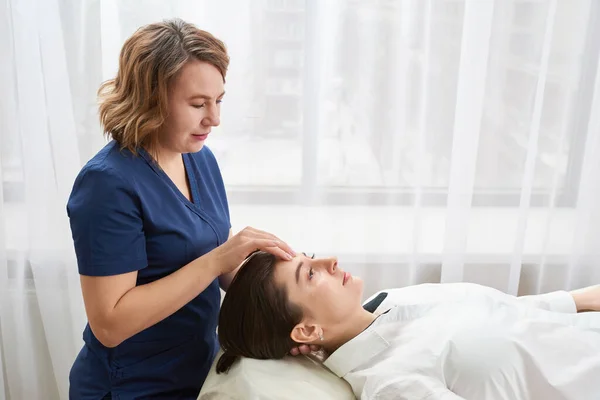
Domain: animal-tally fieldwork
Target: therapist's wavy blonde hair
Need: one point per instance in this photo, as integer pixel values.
(133, 105)
(256, 318)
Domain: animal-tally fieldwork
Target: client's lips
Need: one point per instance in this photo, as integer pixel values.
(346, 277)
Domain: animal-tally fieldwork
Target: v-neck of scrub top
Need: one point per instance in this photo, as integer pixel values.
(189, 174)
(193, 205)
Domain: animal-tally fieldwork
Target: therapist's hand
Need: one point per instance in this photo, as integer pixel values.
(304, 349)
(234, 251)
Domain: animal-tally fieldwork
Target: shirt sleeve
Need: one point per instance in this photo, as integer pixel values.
(559, 301)
(422, 388)
(106, 224)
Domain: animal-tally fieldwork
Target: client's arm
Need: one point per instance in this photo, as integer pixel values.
(586, 299)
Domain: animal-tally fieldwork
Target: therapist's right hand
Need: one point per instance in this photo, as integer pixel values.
(234, 251)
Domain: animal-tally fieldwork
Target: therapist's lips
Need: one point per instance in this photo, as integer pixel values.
(201, 137)
(347, 276)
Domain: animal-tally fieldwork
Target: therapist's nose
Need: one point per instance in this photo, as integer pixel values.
(212, 118)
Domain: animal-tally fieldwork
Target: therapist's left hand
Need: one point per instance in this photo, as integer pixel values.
(304, 349)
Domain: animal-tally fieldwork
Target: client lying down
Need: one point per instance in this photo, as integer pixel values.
(431, 341)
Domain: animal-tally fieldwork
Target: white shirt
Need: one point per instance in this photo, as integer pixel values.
(466, 341)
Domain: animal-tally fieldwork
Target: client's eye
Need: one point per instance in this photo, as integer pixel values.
(310, 273)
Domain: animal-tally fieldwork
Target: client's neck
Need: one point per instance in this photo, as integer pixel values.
(348, 329)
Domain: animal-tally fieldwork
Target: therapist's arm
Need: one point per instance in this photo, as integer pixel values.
(118, 309)
(225, 279)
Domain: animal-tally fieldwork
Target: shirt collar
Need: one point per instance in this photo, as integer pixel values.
(362, 348)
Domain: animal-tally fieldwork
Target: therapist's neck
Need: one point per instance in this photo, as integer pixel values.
(168, 160)
(337, 335)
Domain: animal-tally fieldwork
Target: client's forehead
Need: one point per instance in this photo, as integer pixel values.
(285, 270)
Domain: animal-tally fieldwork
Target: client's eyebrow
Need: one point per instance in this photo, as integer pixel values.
(298, 271)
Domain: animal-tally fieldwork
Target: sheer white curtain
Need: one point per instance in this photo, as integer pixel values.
(417, 140)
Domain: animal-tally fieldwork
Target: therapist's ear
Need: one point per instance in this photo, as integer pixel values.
(306, 333)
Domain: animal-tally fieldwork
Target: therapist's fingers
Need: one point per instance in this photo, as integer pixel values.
(234, 251)
(303, 349)
(250, 233)
(282, 245)
(266, 235)
(278, 252)
(267, 245)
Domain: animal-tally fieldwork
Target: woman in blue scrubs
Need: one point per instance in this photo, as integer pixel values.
(150, 222)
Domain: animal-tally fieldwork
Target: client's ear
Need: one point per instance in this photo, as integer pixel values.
(305, 333)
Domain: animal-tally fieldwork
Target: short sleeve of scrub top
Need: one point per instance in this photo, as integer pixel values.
(108, 232)
(127, 215)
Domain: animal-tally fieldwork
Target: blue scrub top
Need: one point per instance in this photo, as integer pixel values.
(127, 215)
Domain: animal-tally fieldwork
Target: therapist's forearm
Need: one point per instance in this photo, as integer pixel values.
(143, 306)
(225, 279)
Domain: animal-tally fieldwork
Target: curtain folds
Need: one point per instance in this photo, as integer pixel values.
(417, 140)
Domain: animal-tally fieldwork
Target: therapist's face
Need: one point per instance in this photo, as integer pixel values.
(327, 294)
(194, 108)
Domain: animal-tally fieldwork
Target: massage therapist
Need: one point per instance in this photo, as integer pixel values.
(150, 222)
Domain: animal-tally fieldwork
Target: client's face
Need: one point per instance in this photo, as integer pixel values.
(326, 294)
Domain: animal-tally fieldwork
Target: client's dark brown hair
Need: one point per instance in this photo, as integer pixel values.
(256, 318)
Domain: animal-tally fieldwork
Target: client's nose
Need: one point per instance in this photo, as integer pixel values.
(332, 265)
